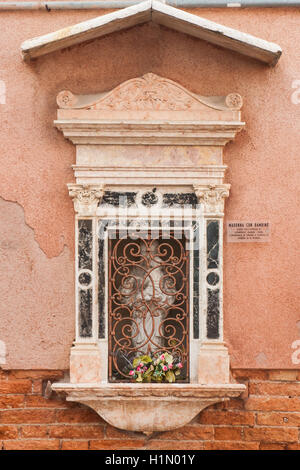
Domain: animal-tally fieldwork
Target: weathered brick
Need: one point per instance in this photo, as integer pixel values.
(117, 444)
(37, 386)
(8, 432)
(75, 445)
(78, 415)
(29, 430)
(173, 445)
(275, 388)
(32, 444)
(15, 386)
(76, 431)
(227, 445)
(189, 433)
(114, 433)
(284, 375)
(226, 417)
(27, 416)
(228, 433)
(278, 419)
(271, 446)
(231, 404)
(3, 374)
(295, 446)
(37, 374)
(250, 374)
(272, 404)
(11, 401)
(37, 401)
(266, 434)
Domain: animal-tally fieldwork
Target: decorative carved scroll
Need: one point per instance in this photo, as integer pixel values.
(149, 92)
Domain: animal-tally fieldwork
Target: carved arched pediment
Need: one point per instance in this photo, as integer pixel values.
(149, 92)
(149, 110)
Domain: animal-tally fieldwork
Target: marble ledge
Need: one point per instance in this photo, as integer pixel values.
(165, 406)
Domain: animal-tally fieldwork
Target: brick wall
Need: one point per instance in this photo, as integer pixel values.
(267, 416)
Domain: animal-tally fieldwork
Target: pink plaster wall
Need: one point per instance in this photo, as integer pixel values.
(261, 307)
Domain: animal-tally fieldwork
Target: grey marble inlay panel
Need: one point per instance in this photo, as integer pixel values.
(213, 313)
(196, 280)
(212, 236)
(101, 278)
(179, 199)
(115, 198)
(85, 261)
(85, 244)
(85, 313)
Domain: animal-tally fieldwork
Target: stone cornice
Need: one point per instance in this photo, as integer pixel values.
(129, 132)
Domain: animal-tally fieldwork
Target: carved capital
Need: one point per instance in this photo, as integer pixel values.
(212, 197)
(85, 197)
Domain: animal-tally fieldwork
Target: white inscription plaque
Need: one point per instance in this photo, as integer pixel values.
(248, 231)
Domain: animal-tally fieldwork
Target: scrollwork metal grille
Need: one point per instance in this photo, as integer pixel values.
(148, 300)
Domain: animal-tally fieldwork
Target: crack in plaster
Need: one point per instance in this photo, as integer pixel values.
(37, 301)
(65, 246)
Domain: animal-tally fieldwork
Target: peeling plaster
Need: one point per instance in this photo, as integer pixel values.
(37, 296)
(2, 352)
(34, 233)
(2, 92)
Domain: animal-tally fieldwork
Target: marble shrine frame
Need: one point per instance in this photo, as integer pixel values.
(149, 147)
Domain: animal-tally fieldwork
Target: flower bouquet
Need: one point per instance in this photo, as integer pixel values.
(157, 368)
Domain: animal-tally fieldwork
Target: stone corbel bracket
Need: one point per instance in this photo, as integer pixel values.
(165, 407)
(212, 197)
(86, 198)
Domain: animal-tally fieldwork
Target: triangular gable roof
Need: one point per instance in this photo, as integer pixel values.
(153, 10)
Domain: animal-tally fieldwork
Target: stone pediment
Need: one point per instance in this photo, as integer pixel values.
(149, 92)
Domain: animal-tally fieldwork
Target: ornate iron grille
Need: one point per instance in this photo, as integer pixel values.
(148, 301)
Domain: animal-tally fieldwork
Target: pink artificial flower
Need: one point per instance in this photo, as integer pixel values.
(165, 368)
(131, 372)
(170, 366)
(138, 369)
(180, 365)
(141, 364)
(162, 357)
(145, 368)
